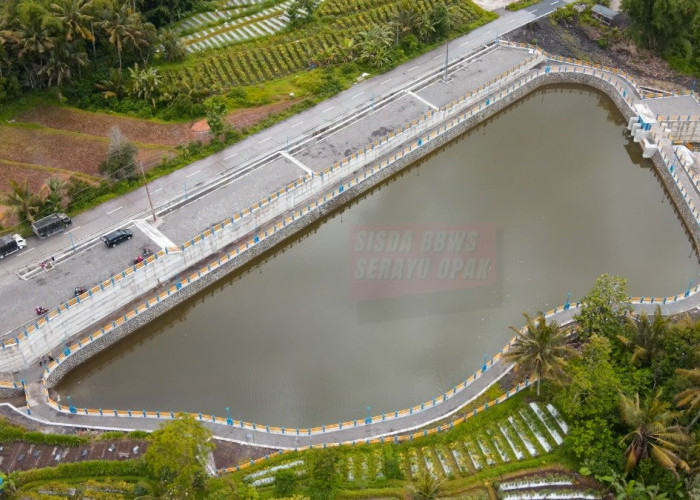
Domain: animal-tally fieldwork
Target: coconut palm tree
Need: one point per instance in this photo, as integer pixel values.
(541, 349)
(56, 190)
(406, 19)
(74, 16)
(34, 39)
(24, 203)
(124, 28)
(61, 60)
(644, 336)
(114, 86)
(653, 433)
(172, 47)
(691, 396)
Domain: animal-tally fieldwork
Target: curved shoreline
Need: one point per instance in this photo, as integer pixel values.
(442, 405)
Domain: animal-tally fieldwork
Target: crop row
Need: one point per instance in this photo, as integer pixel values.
(253, 65)
(345, 7)
(264, 23)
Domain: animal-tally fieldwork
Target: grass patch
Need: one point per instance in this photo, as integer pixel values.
(521, 4)
(10, 433)
(80, 471)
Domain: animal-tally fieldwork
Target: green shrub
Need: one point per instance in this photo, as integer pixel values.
(93, 468)
(111, 436)
(284, 482)
(138, 435)
(521, 4)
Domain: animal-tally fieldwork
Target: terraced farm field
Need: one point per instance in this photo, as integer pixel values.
(270, 52)
(527, 431)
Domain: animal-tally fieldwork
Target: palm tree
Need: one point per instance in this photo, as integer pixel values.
(124, 28)
(691, 396)
(23, 202)
(53, 202)
(114, 87)
(653, 433)
(541, 349)
(145, 83)
(645, 336)
(426, 486)
(58, 67)
(406, 19)
(75, 19)
(33, 38)
(375, 44)
(172, 47)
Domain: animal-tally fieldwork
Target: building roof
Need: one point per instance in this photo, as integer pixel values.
(605, 12)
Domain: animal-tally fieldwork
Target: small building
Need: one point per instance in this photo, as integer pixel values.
(604, 15)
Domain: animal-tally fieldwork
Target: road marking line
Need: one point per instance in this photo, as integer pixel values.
(414, 67)
(229, 157)
(422, 100)
(73, 229)
(193, 173)
(297, 124)
(29, 250)
(462, 44)
(298, 163)
(327, 109)
(115, 210)
(439, 56)
(159, 189)
(385, 81)
(358, 94)
(554, 2)
(265, 140)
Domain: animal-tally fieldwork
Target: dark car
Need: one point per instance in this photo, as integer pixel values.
(116, 237)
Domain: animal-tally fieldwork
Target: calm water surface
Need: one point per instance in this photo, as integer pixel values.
(283, 343)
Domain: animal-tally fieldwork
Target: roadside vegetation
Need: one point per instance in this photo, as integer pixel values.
(521, 4)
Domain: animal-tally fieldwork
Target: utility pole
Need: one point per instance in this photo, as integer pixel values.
(447, 56)
(148, 192)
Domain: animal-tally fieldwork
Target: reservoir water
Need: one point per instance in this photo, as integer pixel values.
(553, 182)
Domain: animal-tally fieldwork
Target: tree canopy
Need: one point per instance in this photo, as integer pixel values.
(177, 455)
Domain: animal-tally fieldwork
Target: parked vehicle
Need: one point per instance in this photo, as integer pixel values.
(51, 224)
(11, 244)
(116, 237)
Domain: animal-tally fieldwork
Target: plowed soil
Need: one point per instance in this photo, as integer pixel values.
(48, 141)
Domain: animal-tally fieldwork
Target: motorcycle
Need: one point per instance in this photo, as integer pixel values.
(39, 310)
(146, 253)
(79, 291)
